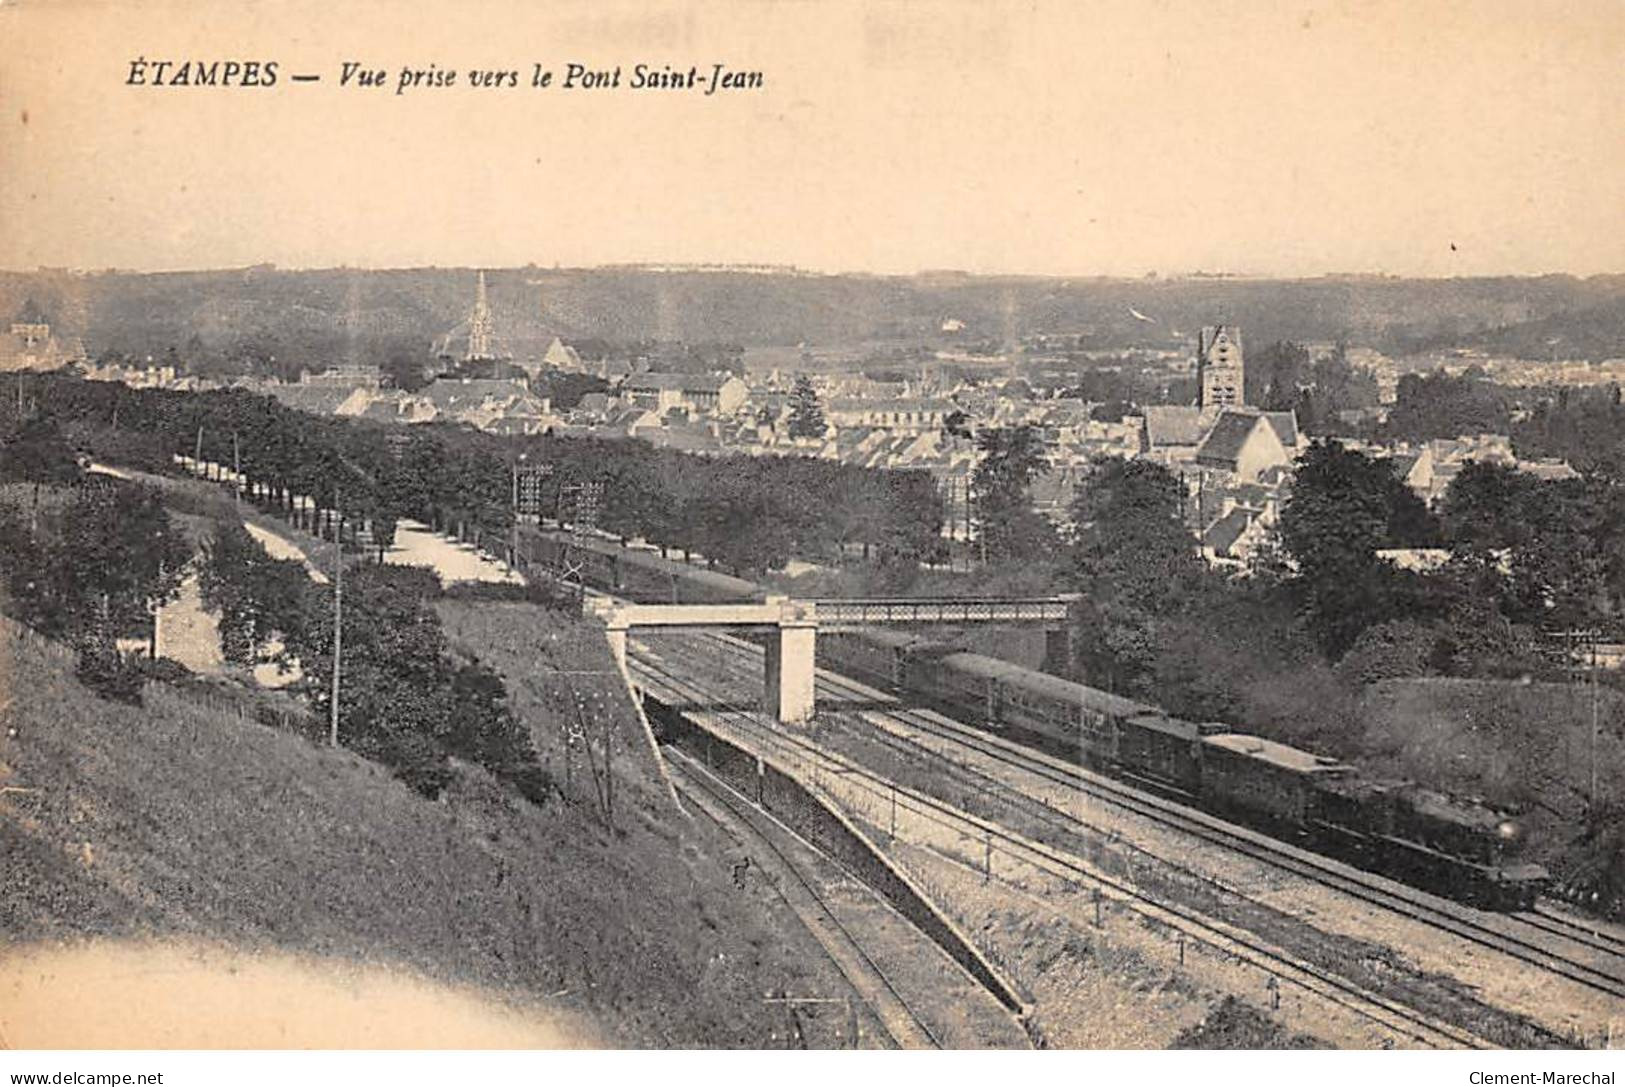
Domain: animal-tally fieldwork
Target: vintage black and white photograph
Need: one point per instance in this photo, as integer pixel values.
(684, 524)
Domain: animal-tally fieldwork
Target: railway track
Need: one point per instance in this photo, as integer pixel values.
(1578, 929)
(803, 885)
(1388, 1014)
(1490, 933)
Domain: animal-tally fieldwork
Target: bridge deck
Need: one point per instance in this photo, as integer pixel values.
(847, 614)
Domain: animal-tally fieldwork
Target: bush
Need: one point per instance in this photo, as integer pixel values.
(1399, 649)
(111, 674)
(543, 591)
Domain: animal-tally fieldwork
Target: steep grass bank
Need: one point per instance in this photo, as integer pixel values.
(170, 821)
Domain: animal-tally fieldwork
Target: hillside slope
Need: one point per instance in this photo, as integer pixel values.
(166, 821)
(311, 318)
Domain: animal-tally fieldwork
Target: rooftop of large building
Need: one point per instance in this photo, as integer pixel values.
(688, 383)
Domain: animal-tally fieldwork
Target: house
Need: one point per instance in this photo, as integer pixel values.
(1286, 429)
(1429, 469)
(561, 356)
(323, 398)
(595, 404)
(901, 413)
(1172, 431)
(29, 345)
(355, 376)
(1243, 444)
(703, 394)
(397, 408)
(495, 405)
(1233, 538)
(1548, 470)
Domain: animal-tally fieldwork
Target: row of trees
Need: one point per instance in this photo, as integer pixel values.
(83, 560)
(750, 515)
(404, 700)
(1284, 377)
(89, 559)
(1525, 557)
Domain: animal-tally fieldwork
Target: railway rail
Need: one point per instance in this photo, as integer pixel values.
(1490, 932)
(1387, 1014)
(809, 898)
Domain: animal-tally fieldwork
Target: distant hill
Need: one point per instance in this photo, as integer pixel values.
(316, 317)
(1593, 333)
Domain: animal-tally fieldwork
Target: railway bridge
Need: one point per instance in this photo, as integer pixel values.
(790, 661)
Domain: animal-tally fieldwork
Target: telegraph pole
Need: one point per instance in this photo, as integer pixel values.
(338, 624)
(1591, 795)
(513, 543)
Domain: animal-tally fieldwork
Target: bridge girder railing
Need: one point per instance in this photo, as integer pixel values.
(853, 614)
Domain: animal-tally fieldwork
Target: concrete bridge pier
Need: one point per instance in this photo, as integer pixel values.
(1058, 650)
(617, 643)
(788, 671)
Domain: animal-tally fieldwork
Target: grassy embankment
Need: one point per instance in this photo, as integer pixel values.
(171, 821)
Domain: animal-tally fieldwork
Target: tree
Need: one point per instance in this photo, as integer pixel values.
(1274, 374)
(36, 452)
(1344, 508)
(405, 372)
(1487, 506)
(1133, 561)
(806, 414)
(1009, 527)
(1442, 406)
(259, 598)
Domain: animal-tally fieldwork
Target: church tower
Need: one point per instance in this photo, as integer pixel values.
(481, 327)
(1219, 368)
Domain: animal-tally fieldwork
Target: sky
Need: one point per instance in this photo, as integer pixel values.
(1049, 138)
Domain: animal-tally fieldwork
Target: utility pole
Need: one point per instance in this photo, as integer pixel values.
(236, 467)
(338, 625)
(197, 454)
(152, 650)
(1591, 795)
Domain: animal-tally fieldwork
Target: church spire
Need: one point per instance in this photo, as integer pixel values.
(480, 326)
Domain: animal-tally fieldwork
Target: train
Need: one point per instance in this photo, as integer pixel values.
(1453, 846)
(1457, 847)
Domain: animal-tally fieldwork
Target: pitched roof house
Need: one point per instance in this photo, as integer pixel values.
(1242, 443)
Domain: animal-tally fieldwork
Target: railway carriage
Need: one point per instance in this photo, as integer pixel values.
(877, 656)
(958, 681)
(1162, 750)
(1268, 781)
